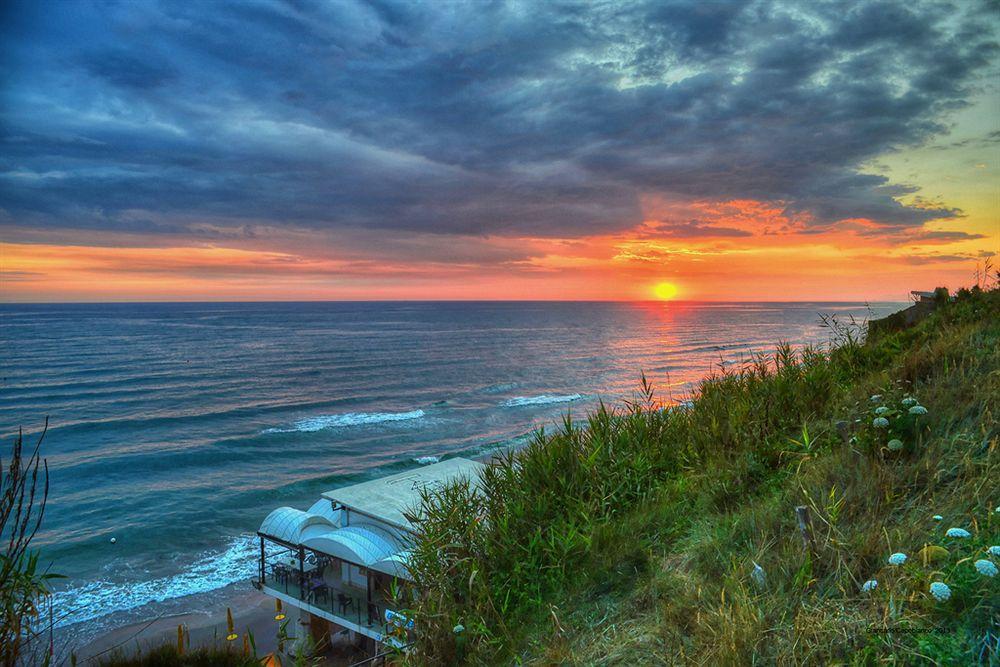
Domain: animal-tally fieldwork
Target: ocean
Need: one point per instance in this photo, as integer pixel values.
(175, 428)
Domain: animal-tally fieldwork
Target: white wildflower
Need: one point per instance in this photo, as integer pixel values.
(758, 575)
(940, 591)
(909, 402)
(918, 410)
(986, 568)
(458, 629)
(938, 517)
(895, 445)
(869, 586)
(880, 422)
(875, 398)
(961, 533)
(897, 558)
(994, 550)
(881, 410)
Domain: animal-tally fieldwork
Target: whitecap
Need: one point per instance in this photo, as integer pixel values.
(542, 399)
(346, 419)
(426, 460)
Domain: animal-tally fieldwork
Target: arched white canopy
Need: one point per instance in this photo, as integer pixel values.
(396, 565)
(324, 507)
(379, 533)
(363, 544)
(289, 524)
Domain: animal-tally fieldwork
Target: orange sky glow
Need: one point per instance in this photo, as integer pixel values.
(763, 257)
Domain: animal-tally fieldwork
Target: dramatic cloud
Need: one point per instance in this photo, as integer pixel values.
(499, 119)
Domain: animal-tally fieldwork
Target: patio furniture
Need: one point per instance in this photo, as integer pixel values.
(280, 572)
(345, 601)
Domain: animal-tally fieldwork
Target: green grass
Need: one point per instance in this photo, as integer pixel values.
(630, 538)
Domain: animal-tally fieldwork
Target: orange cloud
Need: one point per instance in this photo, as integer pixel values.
(737, 249)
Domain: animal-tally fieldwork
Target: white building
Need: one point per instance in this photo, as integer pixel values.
(342, 560)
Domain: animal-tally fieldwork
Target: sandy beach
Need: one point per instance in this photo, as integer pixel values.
(252, 612)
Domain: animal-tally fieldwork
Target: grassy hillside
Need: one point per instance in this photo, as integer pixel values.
(652, 536)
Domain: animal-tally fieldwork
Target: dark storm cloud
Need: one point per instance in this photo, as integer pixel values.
(536, 118)
(128, 71)
(692, 229)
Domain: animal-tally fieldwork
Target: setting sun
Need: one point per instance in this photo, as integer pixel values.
(665, 291)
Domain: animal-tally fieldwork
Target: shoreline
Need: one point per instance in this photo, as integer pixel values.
(251, 611)
(203, 616)
(253, 614)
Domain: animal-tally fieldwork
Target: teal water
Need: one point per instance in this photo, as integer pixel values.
(175, 428)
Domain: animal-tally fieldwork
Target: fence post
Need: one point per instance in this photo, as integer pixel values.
(806, 528)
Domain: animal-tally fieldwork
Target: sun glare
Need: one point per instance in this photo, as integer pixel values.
(665, 291)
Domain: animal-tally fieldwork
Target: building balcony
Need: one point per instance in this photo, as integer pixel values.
(330, 588)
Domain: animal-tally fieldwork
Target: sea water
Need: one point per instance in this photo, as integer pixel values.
(175, 428)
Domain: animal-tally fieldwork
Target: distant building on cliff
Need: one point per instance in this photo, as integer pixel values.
(922, 297)
(345, 561)
(923, 305)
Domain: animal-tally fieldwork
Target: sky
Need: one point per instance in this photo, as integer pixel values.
(300, 150)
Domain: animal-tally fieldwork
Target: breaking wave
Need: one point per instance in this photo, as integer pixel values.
(209, 572)
(542, 399)
(346, 419)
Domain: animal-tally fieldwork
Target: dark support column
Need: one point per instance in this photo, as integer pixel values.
(263, 567)
(302, 573)
(368, 578)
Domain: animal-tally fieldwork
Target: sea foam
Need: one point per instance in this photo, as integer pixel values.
(211, 571)
(346, 419)
(542, 399)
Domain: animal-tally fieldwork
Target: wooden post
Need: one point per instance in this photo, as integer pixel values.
(844, 430)
(806, 528)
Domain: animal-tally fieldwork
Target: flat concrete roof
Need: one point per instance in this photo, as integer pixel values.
(389, 498)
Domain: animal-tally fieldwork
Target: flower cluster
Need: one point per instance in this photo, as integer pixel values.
(935, 554)
(940, 591)
(985, 567)
(894, 425)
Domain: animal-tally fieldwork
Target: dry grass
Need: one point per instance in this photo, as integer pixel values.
(632, 540)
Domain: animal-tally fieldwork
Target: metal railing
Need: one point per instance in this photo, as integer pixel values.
(316, 580)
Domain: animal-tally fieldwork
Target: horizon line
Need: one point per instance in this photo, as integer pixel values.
(301, 301)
